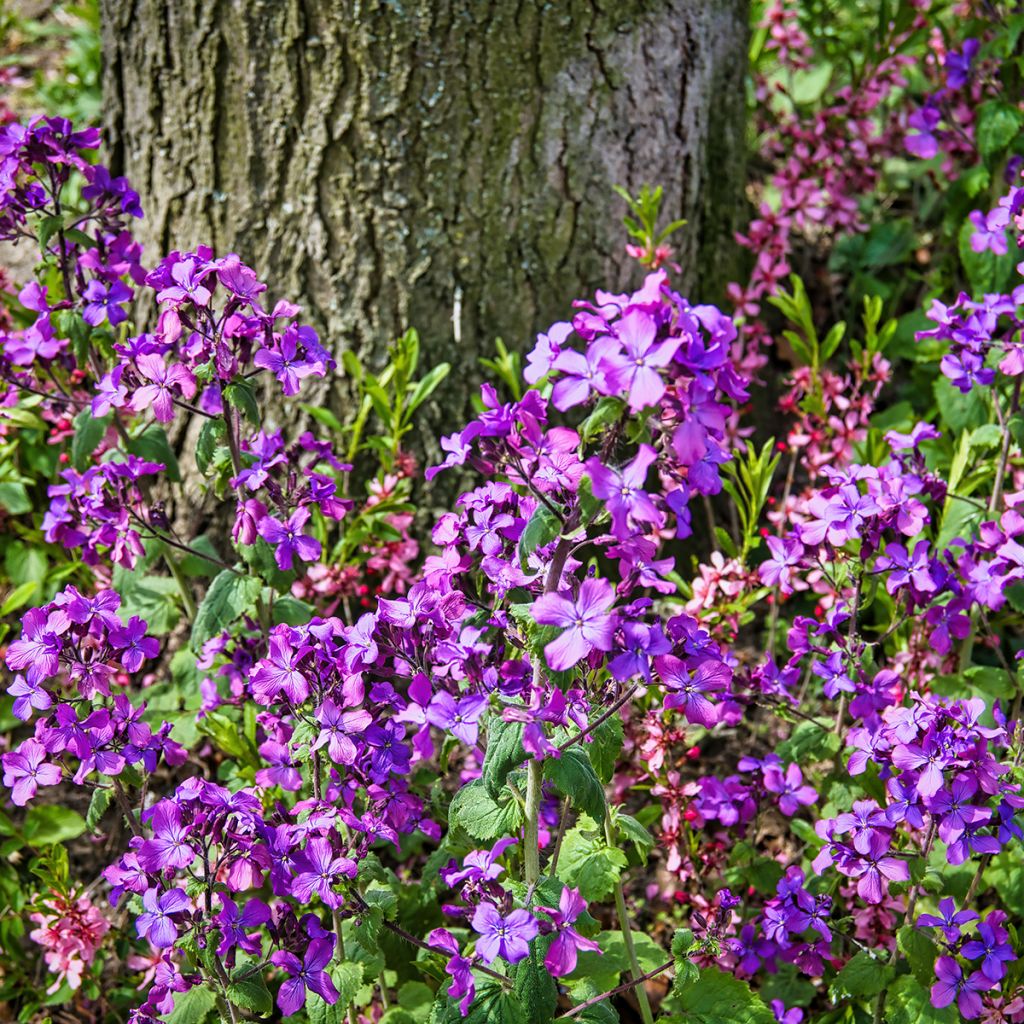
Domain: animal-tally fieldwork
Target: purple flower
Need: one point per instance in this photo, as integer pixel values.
(561, 955)
(952, 985)
(876, 867)
(463, 986)
(289, 540)
(278, 671)
(642, 643)
(479, 865)
(336, 729)
(949, 919)
(958, 63)
(586, 620)
(37, 651)
(507, 937)
(103, 302)
(584, 373)
(622, 491)
(156, 924)
(233, 925)
(27, 696)
(390, 754)
(158, 393)
(785, 554)
(990, 230)
(459, 717)
(688, 691)
(792, 792)
(317, 869)
(307, 973)
(283, 770)
(922, 141)
(833, 671)
(286, 364)
(132, 640)
(638, 373)
(169, 846)
(992, 947)
(25, 771)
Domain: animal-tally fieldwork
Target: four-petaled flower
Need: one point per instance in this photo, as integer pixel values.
(507, 937)
(307, 973)
(587, 622)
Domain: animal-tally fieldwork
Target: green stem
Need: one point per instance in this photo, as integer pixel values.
(531, 837)
(183, 588)
(627, 936)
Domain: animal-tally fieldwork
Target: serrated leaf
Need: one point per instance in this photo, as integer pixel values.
(230, 596)
(240, 395)
(505, 752)
(719, 998)
(998, 125)
(574, 775)
(483, 816)
(588, 863)
(908, 1002)
(535, 988)
(212, 435)
(193, 1006)
(863, 975)
(605, 747)
(252, 994)
(98, 805)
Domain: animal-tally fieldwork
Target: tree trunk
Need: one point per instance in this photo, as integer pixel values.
(442, 164)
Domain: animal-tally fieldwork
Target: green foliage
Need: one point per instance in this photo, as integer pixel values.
(747, 480)
(230, 596)
(587, 862)
(718, 998)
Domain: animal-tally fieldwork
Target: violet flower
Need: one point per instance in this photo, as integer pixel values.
(288, 540)
(507, 937)
(155, 923)
(25, 770)
(952, 985)
(586, 621)
(562, 953)
(307, 973)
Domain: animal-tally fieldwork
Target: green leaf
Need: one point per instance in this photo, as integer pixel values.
(240, 395)
(230, 596)
(196, 564)
(19, 597)
(153, 598)
(88, 434)
(292, 611)
(504, 753)
(52, 823)
(193, 1006)
(212, 435)
(631, 829)
(252, 994)
(535, 988)
(588, 863)
(863, 975)
(809, 742)
(543, 527)
(605, 746)
(425, 388)
(492, 1005)
(998, 125)
(484, 816)
(719, 998)
(348, 980)
(14, 497)
(608, 410)
(909, 1002)
(98, 805)
(229, 737)
(574, 775)
(152, 444)
(920, 951)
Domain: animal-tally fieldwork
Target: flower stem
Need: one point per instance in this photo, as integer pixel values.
(636, 974)
(531, 836)
(179, 578)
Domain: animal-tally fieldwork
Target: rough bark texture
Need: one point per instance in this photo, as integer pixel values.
(410, 162)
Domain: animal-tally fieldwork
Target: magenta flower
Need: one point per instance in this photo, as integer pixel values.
(25, 771)
(234, 925)
(463, 986)
(169, 846)
(562, 953)
(952, 985)
(307, 973)
(688, 692)
(992, 948)
(288, 539)
(876, 868)
(459, 717)
(286, 364)
(131, 639)
(336, 730)
(27, 696)
(278, 671)
(584, 373)
(159, 393)
(643, 358)
(792, 792)
(587, 623)
(785, 554)
(622, 491)
(317, 869)
(282, 768)
(507, 937)
(156, 924)
(38, 649)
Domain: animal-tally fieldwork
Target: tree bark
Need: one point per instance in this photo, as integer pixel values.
(442, 164)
